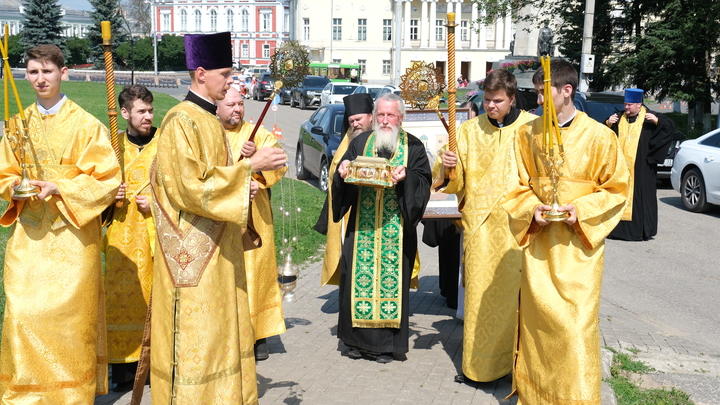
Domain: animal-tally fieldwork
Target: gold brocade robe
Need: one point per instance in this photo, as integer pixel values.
(53, 338)
(558, 351)
(128, 245)
(336, 230)
(202, 337)
(485, 173)
(260, 264)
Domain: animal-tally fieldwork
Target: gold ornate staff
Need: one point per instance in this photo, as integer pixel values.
(21, 136)
(112, 107)
(551, 137)
(452, 88)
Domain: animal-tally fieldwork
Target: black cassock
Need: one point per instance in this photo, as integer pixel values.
(413, 194)
(652, 149)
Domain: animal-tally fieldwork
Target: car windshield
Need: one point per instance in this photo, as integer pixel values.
(601, 111)
(315, 82)
(344, 89)
(373, 91)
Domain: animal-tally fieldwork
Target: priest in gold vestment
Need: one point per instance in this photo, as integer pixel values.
(130, 239)
(202, 337)
(53, 338)
(357, 120)
(558, 350)
(485, 172)
(260, 264)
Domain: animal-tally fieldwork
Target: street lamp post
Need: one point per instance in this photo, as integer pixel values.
(132, 47)
(154, 35)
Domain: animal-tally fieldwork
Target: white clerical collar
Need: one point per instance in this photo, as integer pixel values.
(562, 124)
(206, 99)
(54, 109)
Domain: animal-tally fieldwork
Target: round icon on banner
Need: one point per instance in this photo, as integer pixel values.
(274, 107)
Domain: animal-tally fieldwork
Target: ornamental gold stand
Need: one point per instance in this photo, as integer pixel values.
(551, 137)
(18, 137)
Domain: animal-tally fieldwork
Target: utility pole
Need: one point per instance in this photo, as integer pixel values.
(587, 59)
(398, 40)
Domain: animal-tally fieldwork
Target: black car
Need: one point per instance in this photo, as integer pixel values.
(308, 93)
(318, 140)
(264, 87)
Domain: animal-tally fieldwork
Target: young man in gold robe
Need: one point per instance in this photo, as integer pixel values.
(53, 339)
(485, 172)
(357, 120)
(202, 337)
(260, 263)
(130, 240)
(558, 349)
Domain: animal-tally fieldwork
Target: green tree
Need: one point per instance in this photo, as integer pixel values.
(105, 10)
(41, 24)
(79, 50)
(171, 53)
(143, 54)
(15, 50)
(673, 57)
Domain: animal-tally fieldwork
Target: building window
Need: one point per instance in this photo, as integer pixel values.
(362, 29)
(244, 20)
(439, 30)
(183, 20)
(413, 30)
(387, 30)
(198, 20)
(337, 29)
(386, 67)
(336, 61)
(230, 20)
(362, 63)
(306, 29)
(213, 21)
(464, 30)
(265, 21)
(165, 26)
(266, 50)
(244, 51)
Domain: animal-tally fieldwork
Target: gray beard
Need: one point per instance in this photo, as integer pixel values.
(385, 142)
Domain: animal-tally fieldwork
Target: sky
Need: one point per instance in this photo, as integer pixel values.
(77, 4)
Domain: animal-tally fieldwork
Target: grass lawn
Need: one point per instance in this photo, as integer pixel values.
(92, 97)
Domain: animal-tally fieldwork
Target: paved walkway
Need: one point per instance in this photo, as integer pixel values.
(306, 365)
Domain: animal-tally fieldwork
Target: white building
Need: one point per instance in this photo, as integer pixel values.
(362, 32)
(75, 23)
(257, 26)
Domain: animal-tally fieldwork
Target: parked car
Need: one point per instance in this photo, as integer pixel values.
(696, 172)
(317, 142)
(284, 95)
(372, 89)
(308, 93)
(335, 92)
(387, 89)
(264, 87)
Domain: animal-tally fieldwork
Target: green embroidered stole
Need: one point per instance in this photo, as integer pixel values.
(377, 260)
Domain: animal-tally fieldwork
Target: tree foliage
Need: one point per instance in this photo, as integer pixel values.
(15, 50)
(138, 15)
(105, 10)
(41, 24)
(78, 51)
(171, 53)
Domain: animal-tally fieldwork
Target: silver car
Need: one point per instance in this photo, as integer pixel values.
(696, 172)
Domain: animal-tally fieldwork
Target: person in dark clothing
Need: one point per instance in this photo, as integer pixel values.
(644, 137)
(381, 240)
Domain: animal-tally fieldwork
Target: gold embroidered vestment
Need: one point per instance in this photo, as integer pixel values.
(261, 264)
(53, 339)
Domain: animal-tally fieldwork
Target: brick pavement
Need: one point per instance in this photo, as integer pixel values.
(306, 363)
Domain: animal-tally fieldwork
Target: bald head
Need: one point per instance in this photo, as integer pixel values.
(231, 109)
